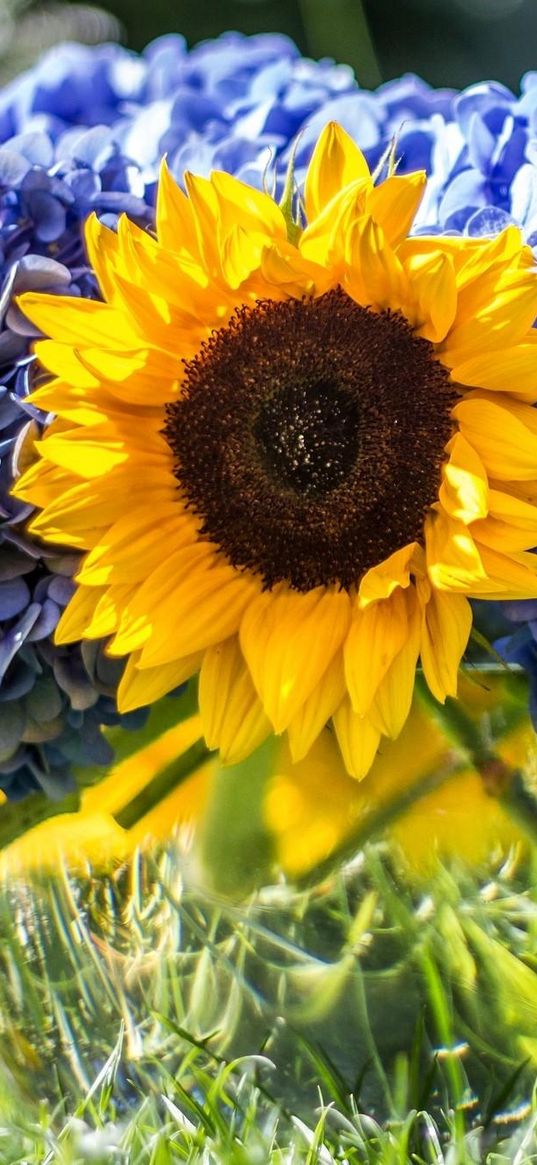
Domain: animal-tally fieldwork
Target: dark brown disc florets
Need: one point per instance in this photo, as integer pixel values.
(309, 438)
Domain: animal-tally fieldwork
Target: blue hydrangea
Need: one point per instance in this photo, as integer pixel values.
(84, 130)
(518, 646)
(485, 168)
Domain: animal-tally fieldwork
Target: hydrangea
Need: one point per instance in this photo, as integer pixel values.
(484, 166)
(84, 130)
(518, 646)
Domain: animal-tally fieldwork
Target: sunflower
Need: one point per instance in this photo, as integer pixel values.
(290, 452)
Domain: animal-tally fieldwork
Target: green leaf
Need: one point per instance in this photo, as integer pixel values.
(338, 28)
(288, 199)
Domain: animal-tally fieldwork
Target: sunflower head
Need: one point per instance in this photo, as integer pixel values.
(289, 449)
(290, 457)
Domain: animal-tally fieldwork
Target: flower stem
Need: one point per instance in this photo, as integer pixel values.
(164, 783)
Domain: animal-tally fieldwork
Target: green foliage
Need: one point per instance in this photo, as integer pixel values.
(339, 28)
(236, 848)
(143, 1021)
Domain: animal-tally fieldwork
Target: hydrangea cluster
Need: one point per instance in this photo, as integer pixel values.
(84, 130)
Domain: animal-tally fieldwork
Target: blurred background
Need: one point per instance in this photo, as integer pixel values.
(448, 42)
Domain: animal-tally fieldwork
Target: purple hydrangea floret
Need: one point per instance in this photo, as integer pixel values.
(84, 130)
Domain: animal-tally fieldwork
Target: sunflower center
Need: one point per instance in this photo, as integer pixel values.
(309, 438)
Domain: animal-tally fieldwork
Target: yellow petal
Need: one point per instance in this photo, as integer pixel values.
(77, 615)
(173, 277)
(185, 805)
(177, 274)
(138, 688)
(394, 203)
(232, 714)
(243, 205)
(502, 321)
(65, 363)
(512, 509)
(492, 258)
(80, 536)
(140, 615)
(102, 247)
(512, 576)
(447, 622)
(43, 483)
(202, 608)
(432, 279)
(503, 536)
(381, 581)
(394, 696)
(374, 276)
(377, 634)
(453, 561)
(204, 203)
(84, 511)
(135, 545)
(336, 161)
(78, 321)
(286, 272)
(457, 563)
(87, 452)
(82, 842)
(358, 739)
(240, 254)
(144, 378)
(526, 490)
(174, 218)
(68, 401)
(304, 729)
(130, 776)
(288, 640)
(510, 525)
(324, 240)
(502, 438)
(513, 370)
(107, 612)
(499, 262)
(150, 314)
(464, 489)
(462, 251)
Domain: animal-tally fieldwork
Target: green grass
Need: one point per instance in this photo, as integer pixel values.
(142, 1021)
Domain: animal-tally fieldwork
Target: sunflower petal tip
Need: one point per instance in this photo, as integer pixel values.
(126, 697)
(24, 299)
(62, 637)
